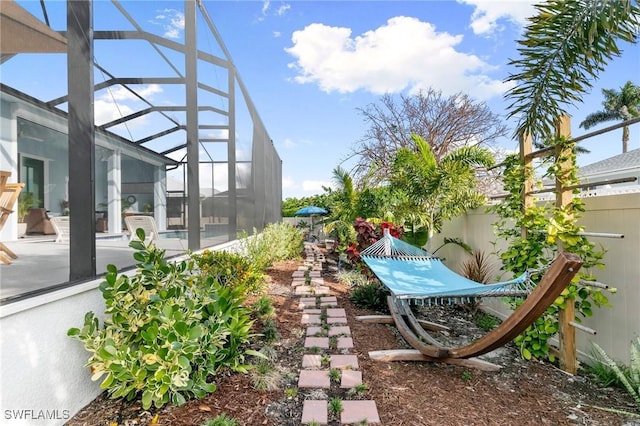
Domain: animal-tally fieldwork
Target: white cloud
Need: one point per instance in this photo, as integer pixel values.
(283, 9)
(487, 14)
(288, 183)
(314, 186)
(171, 21)
(117, 102)
(404, 54)
(288, 143)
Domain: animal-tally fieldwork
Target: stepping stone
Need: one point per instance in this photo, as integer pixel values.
(314, 379)
(317, 281)
(336, 320)
(311, 319)
(306, 302)
(328, 304)
(313, 331)
(318, 342)
(336, 312)
(314, 274)
(298, 281)
(357, 411)
(350, 379)
(298, 274)
(345, 343)
(344, 361)
(311, 361)
(303, 268)
(305, 290)
(315, 411)
(338, 330)
(312, 311)
(329, 299)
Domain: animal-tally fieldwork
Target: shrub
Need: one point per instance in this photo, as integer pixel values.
(372, 295)
(263, 307)
(166, 331)
(230, 270)
(278, 241)
(628, 377)
(352, 278)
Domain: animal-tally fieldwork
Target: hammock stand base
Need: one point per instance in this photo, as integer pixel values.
(557, 277)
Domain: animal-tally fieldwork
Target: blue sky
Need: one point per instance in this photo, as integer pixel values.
(309, 65)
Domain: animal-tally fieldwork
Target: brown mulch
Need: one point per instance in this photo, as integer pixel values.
(406, 393)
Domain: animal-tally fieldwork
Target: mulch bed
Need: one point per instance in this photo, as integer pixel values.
(406, 393)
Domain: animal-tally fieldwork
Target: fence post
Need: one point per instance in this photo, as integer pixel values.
(567, 333)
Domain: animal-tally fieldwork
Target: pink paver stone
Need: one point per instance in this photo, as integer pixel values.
(311, 361)
(314, 411)
(336, 320)
(336, 312)
(305, 290)
(350, 379)
(313, 331)
(305, 305)
(345, 343)
(329, 299)
(311, 319)
(318, 342)
(312, 311)
(314, 274)
(338, 330)
(344, 361)
(357, 411)
(328, 304)
(314, 379)
(317, 281)
(303, 268)
(297, 274)
(298, 281)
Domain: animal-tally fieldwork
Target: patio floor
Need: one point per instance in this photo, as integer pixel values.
(43, 263)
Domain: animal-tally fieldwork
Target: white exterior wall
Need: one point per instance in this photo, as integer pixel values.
(616, 326)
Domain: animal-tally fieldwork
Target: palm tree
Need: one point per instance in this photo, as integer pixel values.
(565, 47)
(436, 190)
(623, 105)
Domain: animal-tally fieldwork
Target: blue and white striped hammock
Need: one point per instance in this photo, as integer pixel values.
(414, 274)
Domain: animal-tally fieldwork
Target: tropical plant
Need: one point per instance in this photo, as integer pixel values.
(26, 200)
(630, 378)
(436, 190)
(167, 331)
(278, 241)
(478, 268)
(619, 106)
(230, 269)
(372, 295)
(566, 45)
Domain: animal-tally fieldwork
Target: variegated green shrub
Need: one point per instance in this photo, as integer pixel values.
(167, 331)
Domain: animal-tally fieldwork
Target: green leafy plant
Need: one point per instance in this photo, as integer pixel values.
(372, 295)
(291, 393)
(230, 269)
(278, 241)
(357, 390)
(270, 331)
(263, 307)
(545, 226)
(167, 331)
(26, 200)
(335, 406)
(486, 321)
(630, 378)
(466, 376)
(351, 278)
(265, 377)
(602, 373)
(221, 420)
(335, 374)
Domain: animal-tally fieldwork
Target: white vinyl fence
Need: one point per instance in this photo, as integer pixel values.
(616, 326)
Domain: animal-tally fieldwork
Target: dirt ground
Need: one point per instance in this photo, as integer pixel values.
(406, 393)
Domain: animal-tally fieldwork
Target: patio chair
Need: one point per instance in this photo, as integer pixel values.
(61, 227)
(8, 198)
(412, 275)
(147, 223)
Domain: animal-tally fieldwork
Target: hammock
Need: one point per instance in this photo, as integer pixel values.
(412, 273)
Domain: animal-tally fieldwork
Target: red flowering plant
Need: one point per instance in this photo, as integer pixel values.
(368, 233)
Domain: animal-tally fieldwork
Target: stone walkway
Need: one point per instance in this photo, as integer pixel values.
(327, 344)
